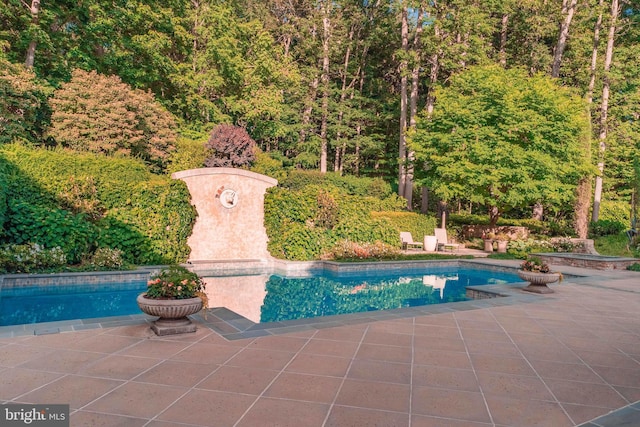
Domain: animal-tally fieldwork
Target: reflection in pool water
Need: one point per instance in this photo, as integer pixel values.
(270, 298)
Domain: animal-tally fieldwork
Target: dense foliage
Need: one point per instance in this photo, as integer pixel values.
(80, 203)
(231, 147)
(102, 115)
(322, 85)
(314, 219)
(504, 140)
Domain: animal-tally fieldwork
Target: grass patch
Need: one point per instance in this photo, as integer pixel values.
(614, 245)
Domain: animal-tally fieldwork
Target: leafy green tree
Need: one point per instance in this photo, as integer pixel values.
(503, 139)
(22, 103)
(100, 114)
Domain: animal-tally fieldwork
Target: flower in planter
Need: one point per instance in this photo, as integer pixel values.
(176, 282)
(535, 265)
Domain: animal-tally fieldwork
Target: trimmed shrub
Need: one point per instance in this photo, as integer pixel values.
(347, 250)
(230, 146)
(306, 223)
(372, 187)
(112, 203)
(30, 258)
(605, 227)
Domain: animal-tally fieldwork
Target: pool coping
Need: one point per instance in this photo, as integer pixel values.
(233, 326)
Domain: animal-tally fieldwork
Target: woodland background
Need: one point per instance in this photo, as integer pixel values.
(334, 86)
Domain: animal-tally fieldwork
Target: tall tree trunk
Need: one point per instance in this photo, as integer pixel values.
(562, 38)
(402, 146)
(503, 39)
(583, 192)
(594, 55)
(326, 34)
(604, 108)
(31, 50)
(341, 148)
(413, 107)
(306, 114)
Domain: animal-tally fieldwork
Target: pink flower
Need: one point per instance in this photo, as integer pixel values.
(179, 288)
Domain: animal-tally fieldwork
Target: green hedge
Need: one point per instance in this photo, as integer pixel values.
(305, 223)
(80, 202)
(373, 187)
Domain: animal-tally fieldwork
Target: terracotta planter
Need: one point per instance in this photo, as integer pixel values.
(488, 245)
(172, 313)
(502, 246)
(538, 281)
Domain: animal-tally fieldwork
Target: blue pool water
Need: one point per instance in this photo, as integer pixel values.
(286, 298)
(325, 295)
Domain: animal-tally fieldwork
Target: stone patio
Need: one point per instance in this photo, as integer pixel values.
(556, 360)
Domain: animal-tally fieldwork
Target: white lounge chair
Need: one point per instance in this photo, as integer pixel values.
(407, 241)
(443, 241)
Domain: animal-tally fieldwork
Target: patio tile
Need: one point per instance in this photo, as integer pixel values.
(331, 348)
(581, 414)
(513, 386)
(137, 400)
(61, 341)
(565, 371)
(442, 358)
(176, 373)
(17, 381)
(343, 416)
(99, 344)
(284, 413)
(445, 319)
(485, 335)
(433, 343)
(400, 326)
(613, 359)
(425, 421)
(373, 370)
(632, 394)
(507, 365)
(437, 331)
(74, 390)
(208, 354)
(319, 365)
(234, 379)
(15, 354)
(257, 358)
(385, 353)
(118, 367)
(159, 349)
(387, 338)
(619, 376)
(310, 388)
(590, 394)
(281, 343)
(342, 333)
(93, 419)
(207, 408)
(66, 361)
(503, 349)
(374, 395)
(527, 412)
(443, 403)
(449, 378)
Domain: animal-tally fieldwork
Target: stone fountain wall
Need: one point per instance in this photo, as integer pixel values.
(230, 205)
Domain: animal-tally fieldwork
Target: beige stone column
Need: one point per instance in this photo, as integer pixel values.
(230, 205)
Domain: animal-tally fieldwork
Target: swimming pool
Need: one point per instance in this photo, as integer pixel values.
(260, 298)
